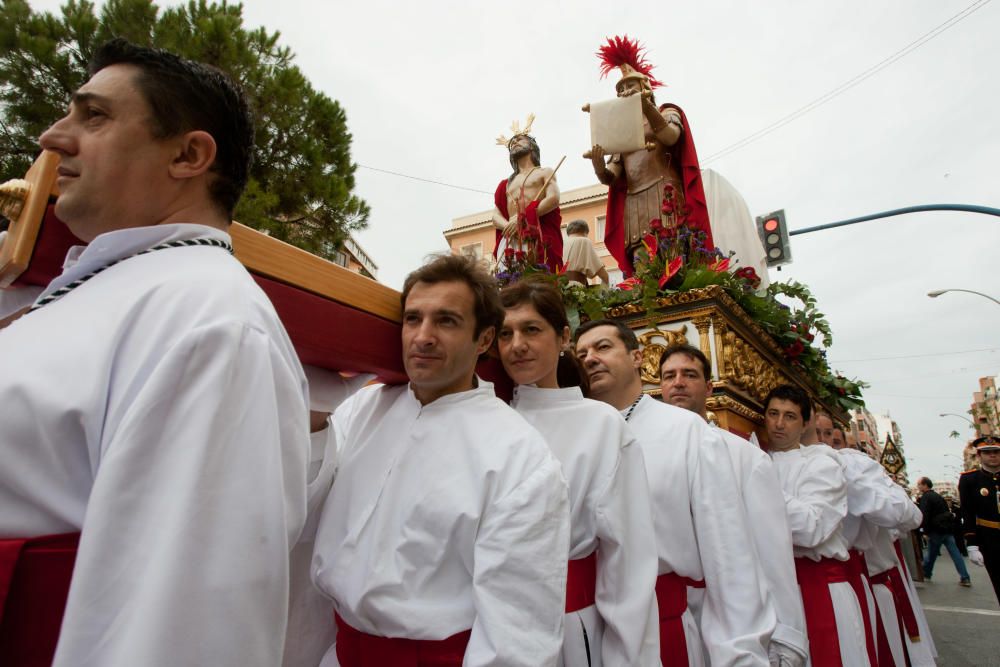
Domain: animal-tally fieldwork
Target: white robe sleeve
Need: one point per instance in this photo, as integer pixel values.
(819, 504)
(870, 492)
(519, 578)
(736, 622)
(198, 497)
(627, 564)
(766, 510)
(912, 516)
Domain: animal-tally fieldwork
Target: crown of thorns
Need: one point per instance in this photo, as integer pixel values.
(515, 128)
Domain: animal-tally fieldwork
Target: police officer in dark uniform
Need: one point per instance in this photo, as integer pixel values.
(979, 491)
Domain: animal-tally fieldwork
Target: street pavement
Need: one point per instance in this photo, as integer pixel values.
(965, 622)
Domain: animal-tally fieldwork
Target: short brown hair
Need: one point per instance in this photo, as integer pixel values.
(461, 269)
(688, 351)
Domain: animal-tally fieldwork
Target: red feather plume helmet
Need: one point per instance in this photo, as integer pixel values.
(629, 56)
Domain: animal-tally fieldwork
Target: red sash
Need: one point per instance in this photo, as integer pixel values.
(893, 580)
(34, 582)
(581, 583)
(671, 601)
(359, 649)
(859, 576)
(821, 623)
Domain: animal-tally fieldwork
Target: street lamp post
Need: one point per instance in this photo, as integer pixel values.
(952, 414)
(937, 293)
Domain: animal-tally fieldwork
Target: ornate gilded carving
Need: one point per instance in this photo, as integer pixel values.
(651, 352)
(703, 324)
(719, 403)
(746, 368)
(12, 196)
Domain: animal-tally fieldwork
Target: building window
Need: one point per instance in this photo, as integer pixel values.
(473, 250)
(340, 258)
(599, 229)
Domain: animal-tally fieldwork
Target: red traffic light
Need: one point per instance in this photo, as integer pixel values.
(771, 225)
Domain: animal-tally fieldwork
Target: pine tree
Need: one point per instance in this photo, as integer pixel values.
(301, 184)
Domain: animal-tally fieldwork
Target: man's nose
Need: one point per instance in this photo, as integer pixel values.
(57, 138)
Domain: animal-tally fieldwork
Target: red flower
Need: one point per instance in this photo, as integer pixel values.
(719, 265)
(670, 270)
(508, 252)
(650, 242)
(668, 188)
(629, 284)
(667, 233)
(810, 337)
(748, 274)
(656, 224)
(795, 350)
(668, 207)
(519, 255)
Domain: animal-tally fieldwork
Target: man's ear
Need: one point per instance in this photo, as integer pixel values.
(195, 154)
(637, 358)
(486, 337)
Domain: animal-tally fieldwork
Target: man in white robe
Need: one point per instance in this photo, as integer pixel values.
(698, 516)
(446, 534)
(685, 383)
(152, 402)
(815, 490)
(875, 505)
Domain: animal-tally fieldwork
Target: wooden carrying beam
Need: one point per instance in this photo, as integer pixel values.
(337, 319)
(17, 250)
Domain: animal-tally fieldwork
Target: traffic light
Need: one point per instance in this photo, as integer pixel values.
(774, 237)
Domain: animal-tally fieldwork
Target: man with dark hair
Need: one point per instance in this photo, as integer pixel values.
(939, 525)
(698, 515)
(979, 491)
(685, 382)
(815, 493)
(154, 408)
(446, 534)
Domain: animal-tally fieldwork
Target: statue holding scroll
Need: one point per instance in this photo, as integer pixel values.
(526, 213)
(638, 174)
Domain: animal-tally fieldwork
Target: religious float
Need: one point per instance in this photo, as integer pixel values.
(687, 244)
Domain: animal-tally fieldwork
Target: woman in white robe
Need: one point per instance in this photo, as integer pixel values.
(610, 514)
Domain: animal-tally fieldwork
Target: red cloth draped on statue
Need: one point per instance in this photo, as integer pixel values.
(821, 622)
(359, 649)
(581, 583)
(550, 225)
(686, 157)
(35, 574)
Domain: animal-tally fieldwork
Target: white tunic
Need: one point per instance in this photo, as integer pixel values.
(701, 532)
(881, 557)
(815, 489)
(873, 499)
(609, 512)
(160, 409)
(444, 518)
(764, 501)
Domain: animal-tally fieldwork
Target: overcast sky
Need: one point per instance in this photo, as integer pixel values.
(428, 86)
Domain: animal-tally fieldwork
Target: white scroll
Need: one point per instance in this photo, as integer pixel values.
(616, 125)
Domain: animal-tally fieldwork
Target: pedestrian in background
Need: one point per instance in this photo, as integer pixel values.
(938, 525)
